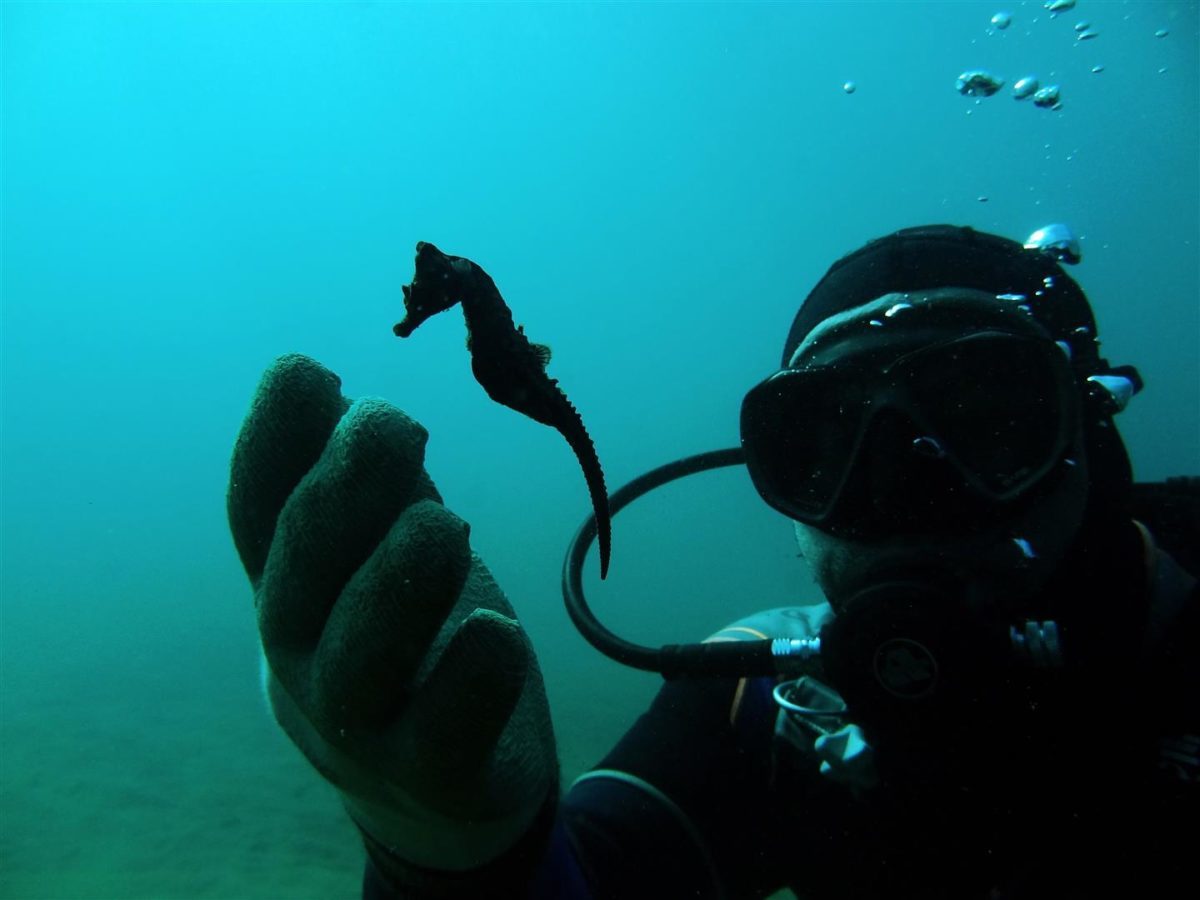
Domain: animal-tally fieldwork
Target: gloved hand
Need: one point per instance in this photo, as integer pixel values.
(395, 662)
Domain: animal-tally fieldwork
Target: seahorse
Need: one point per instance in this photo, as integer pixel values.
(510, 367)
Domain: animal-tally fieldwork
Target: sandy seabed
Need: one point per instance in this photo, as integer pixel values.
(140, 778)
(151, 783)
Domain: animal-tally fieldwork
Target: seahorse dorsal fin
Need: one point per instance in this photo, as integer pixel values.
(543, 353)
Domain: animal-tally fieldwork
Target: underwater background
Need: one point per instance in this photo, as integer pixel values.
(193, 189)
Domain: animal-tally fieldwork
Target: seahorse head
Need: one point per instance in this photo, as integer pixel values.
(436, 286)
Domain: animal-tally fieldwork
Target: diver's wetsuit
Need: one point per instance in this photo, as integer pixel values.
(692, 802)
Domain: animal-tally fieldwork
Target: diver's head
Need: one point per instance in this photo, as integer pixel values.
(934, 414)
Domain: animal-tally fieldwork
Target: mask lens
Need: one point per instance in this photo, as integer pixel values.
(799, 429)
(994, 405)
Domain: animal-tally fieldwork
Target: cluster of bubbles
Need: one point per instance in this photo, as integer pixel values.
(981, 83)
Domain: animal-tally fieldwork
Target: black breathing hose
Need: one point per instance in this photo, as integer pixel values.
(729, 658)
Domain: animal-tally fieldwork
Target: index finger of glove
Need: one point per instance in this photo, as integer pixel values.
(294, 411)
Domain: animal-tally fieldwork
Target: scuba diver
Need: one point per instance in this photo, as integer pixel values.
(996, 699)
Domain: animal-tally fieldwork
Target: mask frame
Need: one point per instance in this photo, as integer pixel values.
(812, 433)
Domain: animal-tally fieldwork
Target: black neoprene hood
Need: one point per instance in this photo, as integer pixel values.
(941, 256)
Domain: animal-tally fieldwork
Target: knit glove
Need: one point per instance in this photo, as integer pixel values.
(393, 660)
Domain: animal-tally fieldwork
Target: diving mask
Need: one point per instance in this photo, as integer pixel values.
(872, 443)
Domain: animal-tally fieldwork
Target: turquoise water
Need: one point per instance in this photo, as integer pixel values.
(193, 189)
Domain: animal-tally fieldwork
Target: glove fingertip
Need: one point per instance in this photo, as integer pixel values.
(295, 408)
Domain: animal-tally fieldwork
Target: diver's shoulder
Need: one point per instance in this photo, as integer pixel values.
(1170, 511)
(781, 622)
